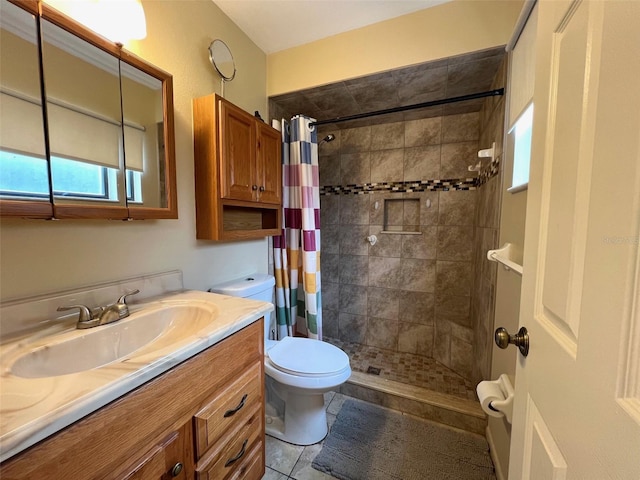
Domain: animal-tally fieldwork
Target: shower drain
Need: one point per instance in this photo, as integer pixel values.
(373, 370)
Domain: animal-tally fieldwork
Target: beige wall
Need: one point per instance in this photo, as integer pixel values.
(450, 29)
(44, 256)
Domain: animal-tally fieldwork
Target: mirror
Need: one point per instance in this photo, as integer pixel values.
(108, 117)
(24, 177)
(84, 121)
(222, 60)
(148, 137)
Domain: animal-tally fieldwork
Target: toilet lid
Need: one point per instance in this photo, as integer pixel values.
(304, 356)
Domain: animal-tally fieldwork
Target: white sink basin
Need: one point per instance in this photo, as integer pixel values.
(147, 330)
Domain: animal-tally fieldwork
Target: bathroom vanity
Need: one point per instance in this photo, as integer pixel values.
(201, 417)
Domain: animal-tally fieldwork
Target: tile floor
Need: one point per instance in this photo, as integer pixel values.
(285, 461)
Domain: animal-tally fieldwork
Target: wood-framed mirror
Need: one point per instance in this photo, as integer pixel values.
(109, 128)
(24, 169)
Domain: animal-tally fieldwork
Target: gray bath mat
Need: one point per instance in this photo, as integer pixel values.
(367, 442)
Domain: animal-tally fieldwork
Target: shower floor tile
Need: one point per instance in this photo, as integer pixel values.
(407, 368)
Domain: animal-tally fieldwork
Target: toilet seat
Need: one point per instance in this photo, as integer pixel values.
(305, 357)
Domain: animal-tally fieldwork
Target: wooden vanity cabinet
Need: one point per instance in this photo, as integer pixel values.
(238, 172)
(203, 419)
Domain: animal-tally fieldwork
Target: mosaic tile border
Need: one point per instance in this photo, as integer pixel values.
(489, 171)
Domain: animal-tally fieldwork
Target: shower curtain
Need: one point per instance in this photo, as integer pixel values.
(297, 249)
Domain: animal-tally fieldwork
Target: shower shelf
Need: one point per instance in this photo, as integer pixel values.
(401, 232)
(503, 256)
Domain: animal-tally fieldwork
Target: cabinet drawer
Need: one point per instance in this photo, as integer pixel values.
(230, 407)
(223, 460)
(252, 467)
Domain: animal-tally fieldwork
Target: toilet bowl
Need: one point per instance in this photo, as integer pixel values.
(298, 372)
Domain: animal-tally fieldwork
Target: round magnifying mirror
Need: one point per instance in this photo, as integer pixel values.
(222, 60)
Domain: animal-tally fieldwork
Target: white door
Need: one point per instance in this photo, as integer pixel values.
(577, 406)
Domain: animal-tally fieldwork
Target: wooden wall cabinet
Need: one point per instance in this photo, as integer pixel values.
(203, 419)
(238, 172)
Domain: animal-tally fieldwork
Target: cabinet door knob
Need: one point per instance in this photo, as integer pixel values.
(254, 187)
(261, 188)
(177, 469)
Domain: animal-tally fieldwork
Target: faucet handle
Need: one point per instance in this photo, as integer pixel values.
(85, 312)
(123, 299)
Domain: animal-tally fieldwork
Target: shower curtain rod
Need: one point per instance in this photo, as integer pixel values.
(444, 101)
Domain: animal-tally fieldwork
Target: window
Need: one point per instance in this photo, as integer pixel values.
(23, 176)
(520, 143)
(134, 186)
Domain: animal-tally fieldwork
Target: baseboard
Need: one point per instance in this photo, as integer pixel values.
(494, 457)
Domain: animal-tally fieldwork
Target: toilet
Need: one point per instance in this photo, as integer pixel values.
(298, 371)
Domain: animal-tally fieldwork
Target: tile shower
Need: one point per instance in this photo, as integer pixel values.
(419, 303)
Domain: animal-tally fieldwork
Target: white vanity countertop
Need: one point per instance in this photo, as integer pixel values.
(31, 409)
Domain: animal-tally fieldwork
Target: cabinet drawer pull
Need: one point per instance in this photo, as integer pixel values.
(233, 411)
(261, 188)
(231, 461)
(254, 187)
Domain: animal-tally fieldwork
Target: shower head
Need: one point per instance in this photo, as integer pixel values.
(329, 138)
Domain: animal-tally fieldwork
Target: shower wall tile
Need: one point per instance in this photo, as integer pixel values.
(382, 333)
(411, 214)
(330, 324)
(355, 140)
(426, 131)
(418, 275)
(387, 165)
(330, 267)
(454, 278)
(376, 206)
(329, 169)
(354, 210)
(385, 272)
(354, 269)
(421, 246)
(455, 243)
(330, 296)
(330, 238)
(429, 202)
(417, 85)
(355, 168)
(471, 77)
(461, 128)
(457, 208)
(353, 239)
(415, 338)
(462, 333)
(352, 328)
(353, 299)
(456, 308)
(442, 343)
(455, 158)
(461, 357)
(329, 210)
(388, 244)
(394, 212)
(387, 136)
(416, 307)
(383, 303)
(421, 162)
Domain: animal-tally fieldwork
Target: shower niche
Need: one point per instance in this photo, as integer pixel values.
(402, 216)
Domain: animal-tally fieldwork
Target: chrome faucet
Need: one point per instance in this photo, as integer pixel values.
(89, 318)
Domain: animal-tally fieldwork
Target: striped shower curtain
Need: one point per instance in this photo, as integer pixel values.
(297, 249)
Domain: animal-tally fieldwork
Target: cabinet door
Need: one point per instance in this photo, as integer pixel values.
(170, 459)
(237, 153)
(269, 164)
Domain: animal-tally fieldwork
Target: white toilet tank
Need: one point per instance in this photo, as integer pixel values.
(257, 287)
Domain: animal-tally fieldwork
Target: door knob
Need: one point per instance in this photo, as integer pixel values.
(520, 339)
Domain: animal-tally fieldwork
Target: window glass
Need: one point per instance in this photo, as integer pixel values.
(521, 138)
